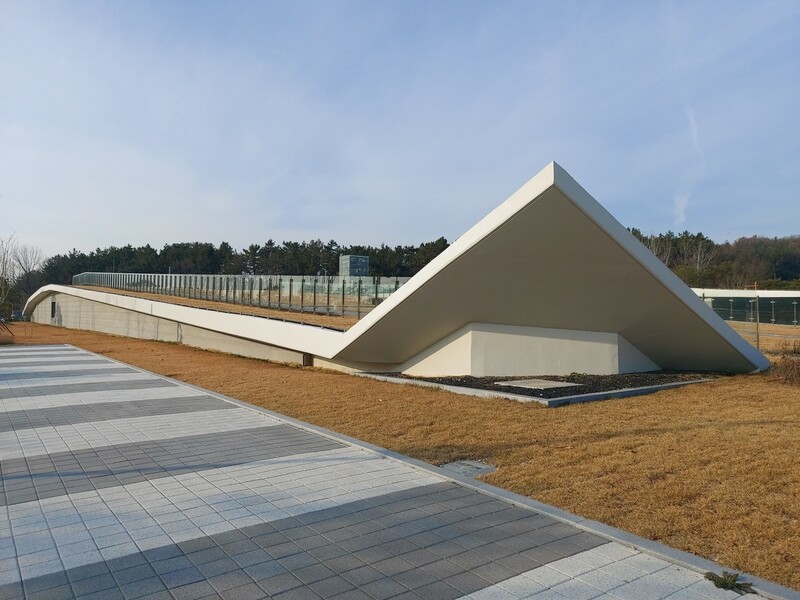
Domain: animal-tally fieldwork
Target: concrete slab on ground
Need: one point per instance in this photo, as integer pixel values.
(537, 384)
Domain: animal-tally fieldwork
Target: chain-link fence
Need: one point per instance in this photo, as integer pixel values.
(353, 296)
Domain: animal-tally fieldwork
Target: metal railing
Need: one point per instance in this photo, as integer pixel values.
(343, 296)
(775, 311)
(357, 296)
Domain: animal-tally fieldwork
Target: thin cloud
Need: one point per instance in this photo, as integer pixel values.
(680, 204)
(386, 122)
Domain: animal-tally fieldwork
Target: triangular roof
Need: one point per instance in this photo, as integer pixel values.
(551, 256)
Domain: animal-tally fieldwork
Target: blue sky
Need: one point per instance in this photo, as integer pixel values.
(390, 121)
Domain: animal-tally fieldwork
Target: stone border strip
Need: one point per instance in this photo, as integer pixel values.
(55, 363)
(38, 348)
(73, 414)
(769, 589)
(18, 376)
(21, 392)
(548, 402)
(16, 355)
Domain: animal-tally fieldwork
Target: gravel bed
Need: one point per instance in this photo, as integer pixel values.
(587, 384)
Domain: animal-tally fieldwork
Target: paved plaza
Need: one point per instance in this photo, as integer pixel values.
(117, 483)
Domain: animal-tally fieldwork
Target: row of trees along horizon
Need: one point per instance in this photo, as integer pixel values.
(771, 263)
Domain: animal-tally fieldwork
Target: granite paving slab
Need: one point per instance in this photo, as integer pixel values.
(58, 363)
(18, 375)
(77, 388)
(149, 488)
(16, 420)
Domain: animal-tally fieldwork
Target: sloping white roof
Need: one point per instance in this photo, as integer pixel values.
(551, 256)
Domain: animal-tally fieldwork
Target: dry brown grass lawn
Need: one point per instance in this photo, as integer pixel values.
(771, 337)
(297, 317)
(712, 468)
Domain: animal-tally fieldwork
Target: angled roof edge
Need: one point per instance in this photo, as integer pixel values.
(553, 175)
(528, 193)
(330, 344)
(671, 282)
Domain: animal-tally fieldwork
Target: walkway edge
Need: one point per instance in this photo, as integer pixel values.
(696, 563)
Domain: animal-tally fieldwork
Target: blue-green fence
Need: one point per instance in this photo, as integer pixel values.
(355, 296)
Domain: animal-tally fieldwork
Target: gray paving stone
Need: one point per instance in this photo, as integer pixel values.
(18, 420)
(94, 584)
(110, 594)
(416, 578)
(383, 588)
(11, 591)
(299, 594)
(142, 587)
(182, 577)
(81, 388)
(144, 461)
(164, 595)
(361, 576)
(207, 555)
(193, 591)
(140, 572)
(230, 580)
(264, 570)
(278, 584)
(438, 540)
(46, 582)
(218, 567)
(331, 586)
(313, 573)
(354, 594)
(438, 591)
(58, 363)
(254, 557)
(245, 592)
(62, 592)
(15, 376)
(466, 583)
(28, 351)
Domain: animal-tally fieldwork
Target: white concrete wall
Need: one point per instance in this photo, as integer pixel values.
(483, 349)
(451, 355)
(80, 313)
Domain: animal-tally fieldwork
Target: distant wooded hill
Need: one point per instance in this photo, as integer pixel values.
(699, 261)
(288, 258)
(772, 263)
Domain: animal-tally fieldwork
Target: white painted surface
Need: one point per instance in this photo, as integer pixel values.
(80, 312)
(283, 334)
(551, 256)
(483, 349)
(449, 356)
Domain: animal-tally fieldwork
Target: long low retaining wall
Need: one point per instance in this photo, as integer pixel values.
(73, 312)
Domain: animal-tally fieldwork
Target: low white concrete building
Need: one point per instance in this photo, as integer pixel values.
(579, 294)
